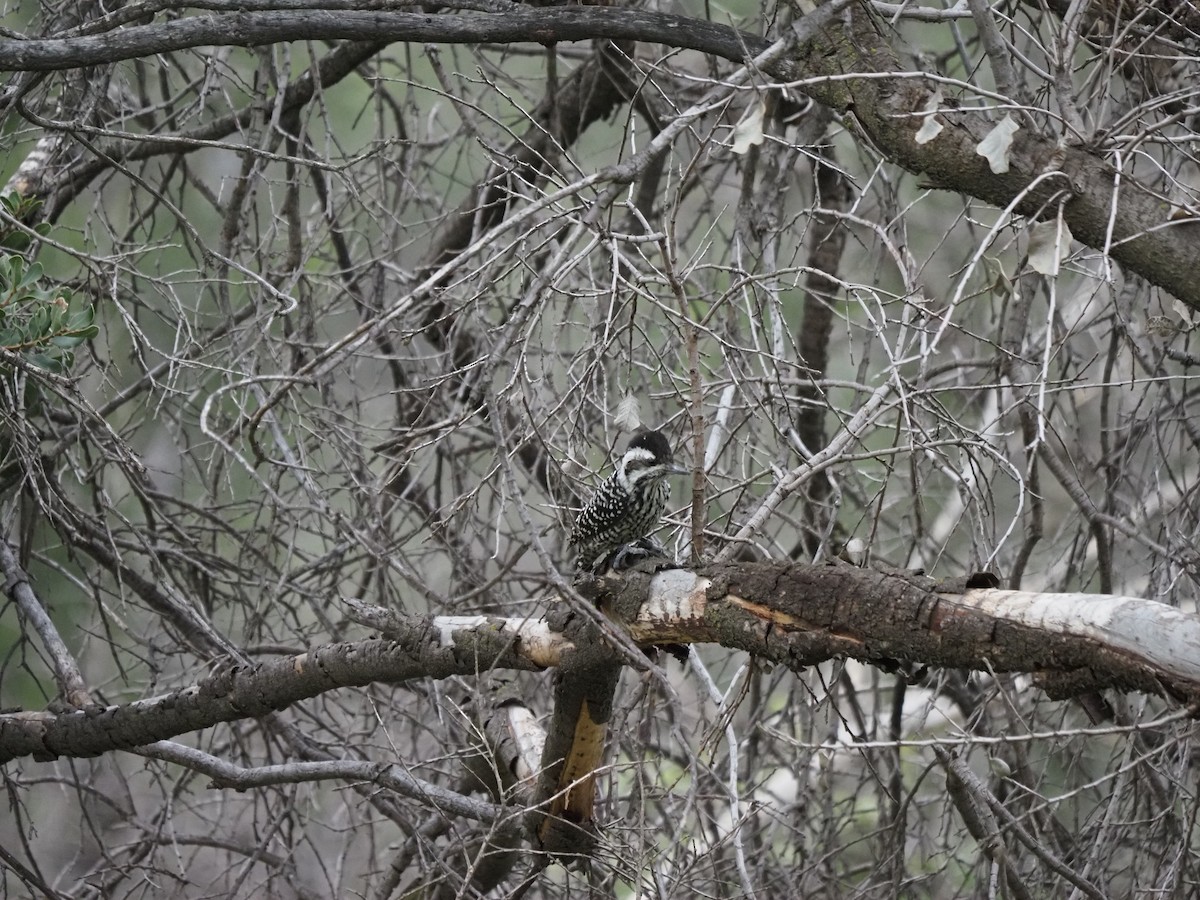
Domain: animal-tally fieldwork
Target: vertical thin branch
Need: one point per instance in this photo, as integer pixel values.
(66, 670)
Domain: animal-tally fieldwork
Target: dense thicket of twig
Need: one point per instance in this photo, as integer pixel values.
(369, 313)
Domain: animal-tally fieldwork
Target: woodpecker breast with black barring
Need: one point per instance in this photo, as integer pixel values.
(628, 505)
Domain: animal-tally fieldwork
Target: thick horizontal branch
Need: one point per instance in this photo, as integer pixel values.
(417, 648)
(794, 614)
(1105, 207)
(252, 29)
(801, 615)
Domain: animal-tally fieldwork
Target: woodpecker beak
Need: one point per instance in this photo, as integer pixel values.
(678, 470)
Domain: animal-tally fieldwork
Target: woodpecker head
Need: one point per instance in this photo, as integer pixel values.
(647, 460)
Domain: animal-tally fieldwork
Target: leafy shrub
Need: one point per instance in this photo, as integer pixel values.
(40, 321)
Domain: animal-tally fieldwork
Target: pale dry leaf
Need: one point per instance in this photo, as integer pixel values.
(997, 280)
(1049, 245)
(749, 131)
(629, 414)
(995, 147)
(1185, 313)
(930, 127)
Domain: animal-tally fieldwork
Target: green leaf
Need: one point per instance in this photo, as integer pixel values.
(31, 277)
(39, 324)
(49, 363)
(7, 266)
(17, 241)
(58, 314)
(81, 319)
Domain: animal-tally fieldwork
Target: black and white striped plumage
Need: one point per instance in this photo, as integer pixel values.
(627, 506)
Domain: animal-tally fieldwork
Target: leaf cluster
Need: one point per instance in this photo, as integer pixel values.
(39, 320)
